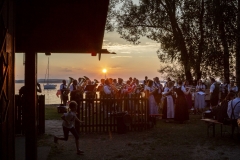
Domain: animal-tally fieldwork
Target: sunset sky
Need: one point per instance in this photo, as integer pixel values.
(130, 61)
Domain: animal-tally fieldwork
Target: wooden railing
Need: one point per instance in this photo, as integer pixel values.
(99, 114)
(113, 114)
(20, 116)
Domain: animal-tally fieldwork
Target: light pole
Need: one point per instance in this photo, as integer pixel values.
(104, 71)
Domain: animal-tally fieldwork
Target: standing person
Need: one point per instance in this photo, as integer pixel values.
(131, 80)
(108, 91)
(68, 125)
(108, 95)
(64, 92)
(158, 94)
(221, 111)
(90, 93)
(119, 86)
(189, 95)
(153, 107)
(145, 80)
(232, 88)
(199, 100)
(100, 88)
(181, 109)
(233, 110)
(214, 93)
(168, 80)
(224, 89)
(74, 92)
(168, 104)
(23, 91)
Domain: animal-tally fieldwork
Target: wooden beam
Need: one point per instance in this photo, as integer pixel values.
(31, 105)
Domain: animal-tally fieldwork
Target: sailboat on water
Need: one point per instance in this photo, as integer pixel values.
(48, 85)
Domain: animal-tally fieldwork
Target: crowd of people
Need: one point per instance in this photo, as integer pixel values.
(173, 99)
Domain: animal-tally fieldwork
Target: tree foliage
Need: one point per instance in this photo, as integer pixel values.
(200, 35)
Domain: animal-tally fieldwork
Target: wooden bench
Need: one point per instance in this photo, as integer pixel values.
(212, 122)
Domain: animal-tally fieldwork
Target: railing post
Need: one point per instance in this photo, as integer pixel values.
(41, 114)
(18, 113)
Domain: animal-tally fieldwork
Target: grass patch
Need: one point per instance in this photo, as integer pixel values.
(51, 113)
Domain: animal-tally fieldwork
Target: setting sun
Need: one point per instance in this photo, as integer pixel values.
(104, 70)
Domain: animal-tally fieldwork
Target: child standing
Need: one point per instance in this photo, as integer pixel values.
(68, 125)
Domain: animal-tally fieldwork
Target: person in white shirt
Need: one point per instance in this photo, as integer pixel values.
(68, 125)
(107, 88)
(165, 84)
(100, 88)
(64, 92)
(232, 88)
(168, 103)
(108, 97)
(233, 110)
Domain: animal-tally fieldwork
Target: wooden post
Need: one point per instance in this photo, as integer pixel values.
(31, 105)
(41, 114)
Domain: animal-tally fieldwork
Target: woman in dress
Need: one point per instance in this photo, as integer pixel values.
(199, 102)
(168, 104)
(149, 91)
(181, 109)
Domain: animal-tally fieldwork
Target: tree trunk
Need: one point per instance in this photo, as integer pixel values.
(221, 26)
(201, 44)
(238, 47)
(179, 38)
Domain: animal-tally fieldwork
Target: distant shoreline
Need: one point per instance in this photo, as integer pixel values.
(43, 81)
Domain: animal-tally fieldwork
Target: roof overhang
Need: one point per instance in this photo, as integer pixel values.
(61, 26)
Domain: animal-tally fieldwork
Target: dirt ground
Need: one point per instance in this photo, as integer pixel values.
(164, 141)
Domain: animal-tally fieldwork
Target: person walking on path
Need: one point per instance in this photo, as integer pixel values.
(69, 125)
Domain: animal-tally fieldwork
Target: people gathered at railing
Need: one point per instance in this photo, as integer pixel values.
(174, 100)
